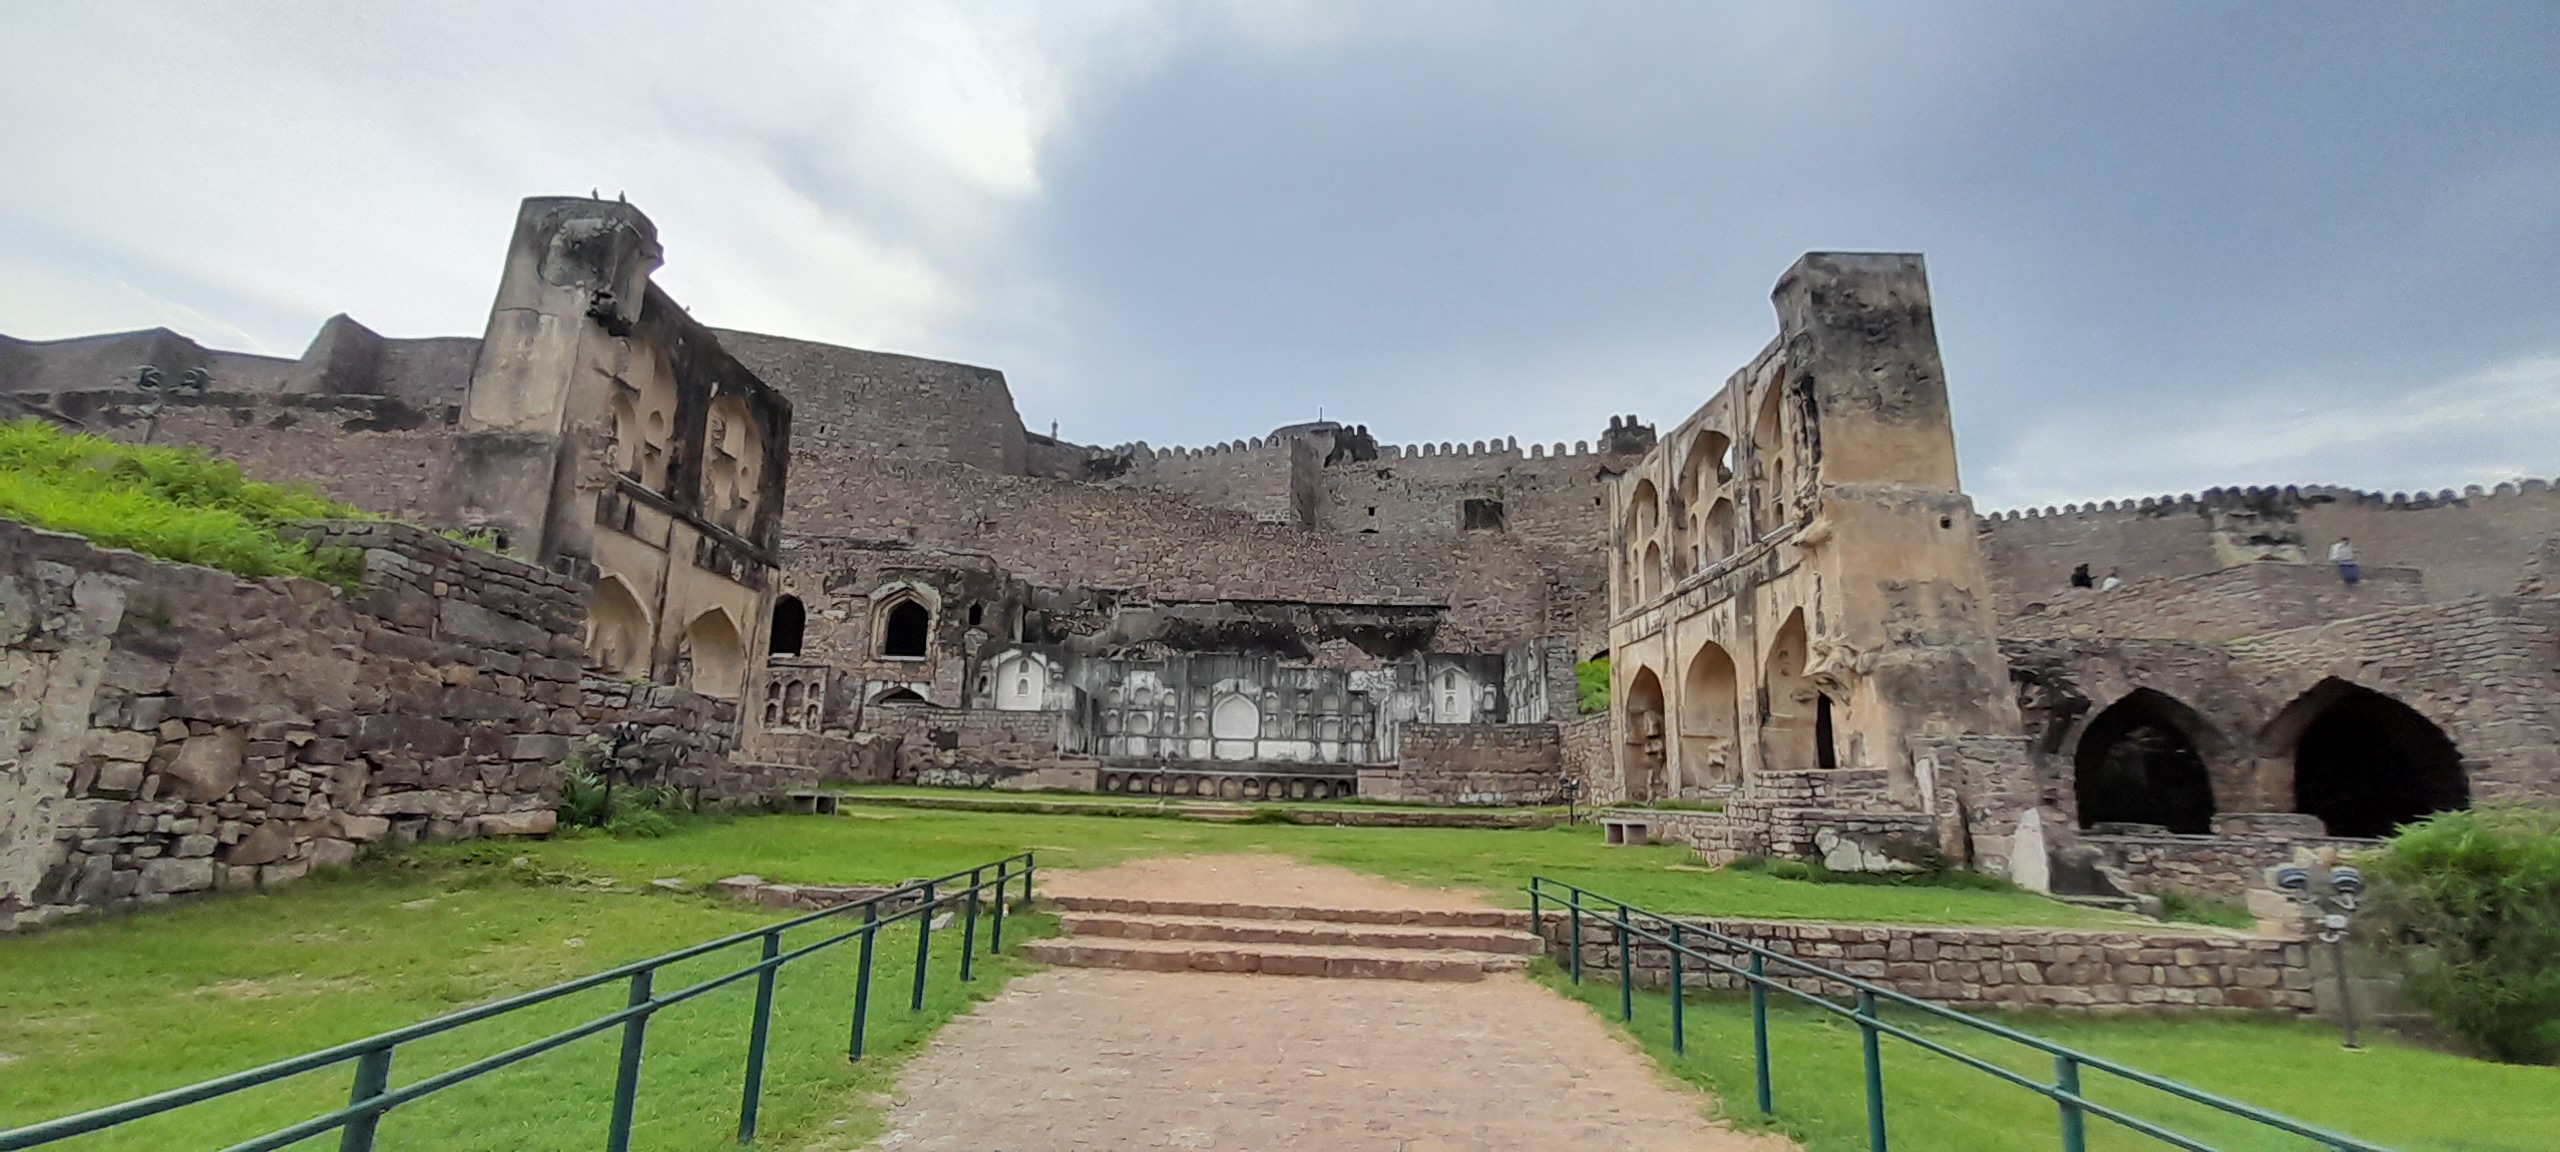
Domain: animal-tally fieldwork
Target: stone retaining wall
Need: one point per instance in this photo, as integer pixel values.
(1491, 764)
(174, 728)
(2093, 970)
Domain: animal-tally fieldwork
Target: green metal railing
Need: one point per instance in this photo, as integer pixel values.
(1633, 925)
(966, 894)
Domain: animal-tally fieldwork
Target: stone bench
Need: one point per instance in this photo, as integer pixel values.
(1626, 829)
(811, 802)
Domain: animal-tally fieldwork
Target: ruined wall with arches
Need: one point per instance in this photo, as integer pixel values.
(1798, 602)
(2175, 763)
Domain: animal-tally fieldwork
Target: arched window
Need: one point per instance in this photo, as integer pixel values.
(905, 630)
(790, 621)
(2136, 764)
(2365, 763)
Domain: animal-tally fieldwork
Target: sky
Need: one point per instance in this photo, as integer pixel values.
(2172, 245)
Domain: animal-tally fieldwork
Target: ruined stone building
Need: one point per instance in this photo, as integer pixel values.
(797, 561)
(1811, 628)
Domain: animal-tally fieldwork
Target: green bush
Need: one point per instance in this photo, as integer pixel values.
(1591, 679)
(639, 810)
(174, 503)
(2467, 905)
(2182, 908)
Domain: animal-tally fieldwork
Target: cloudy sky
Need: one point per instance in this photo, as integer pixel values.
(2173, 245)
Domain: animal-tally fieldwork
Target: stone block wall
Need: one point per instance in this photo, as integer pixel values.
(2223, 866)
(2486, 670)
(2057, 968)
(1585, 749)
(2213, 606)
(679, 739)
(175, 728)
(1164, 546)
(968, 748)
(1474, 764)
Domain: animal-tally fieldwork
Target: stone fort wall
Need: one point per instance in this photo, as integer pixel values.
(2472, 543)
(1061, 534)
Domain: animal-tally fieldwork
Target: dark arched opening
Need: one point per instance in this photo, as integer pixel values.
(790, 621)
(2367, 764)
(905, 630)
(2136, 765)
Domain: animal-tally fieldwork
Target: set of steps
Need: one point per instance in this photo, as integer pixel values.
(1285, 940)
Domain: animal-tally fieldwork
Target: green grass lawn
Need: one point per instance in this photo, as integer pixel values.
(993, 796)
(106, 1011)
(2390, 1093)
(881, 844)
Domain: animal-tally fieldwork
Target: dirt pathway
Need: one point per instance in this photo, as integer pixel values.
(1102, 1059)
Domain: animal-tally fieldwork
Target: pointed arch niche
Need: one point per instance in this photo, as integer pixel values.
(1642, 759)
(1710, 721)
(618, 630)
(715, 655)
(1796, 723)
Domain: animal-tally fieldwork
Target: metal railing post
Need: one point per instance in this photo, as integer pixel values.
(1679, 1028)
(1577, 935)
(626, 1082)
(1028, 867)
(862, 979)
(924, 948)
(1868, 1041)
(995, 934)
(1626, 970)
(2075, 1125)
(969, 932)
(373, 1076)
(1760, 1031)
(752, 1100)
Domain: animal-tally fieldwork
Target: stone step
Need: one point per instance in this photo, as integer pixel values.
(1125, 926)
(1334, 961)
(1414, 917)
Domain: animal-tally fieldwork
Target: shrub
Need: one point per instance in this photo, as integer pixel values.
(2187, 909)
(588, 801)
(174, 503)
(1591, 681)
(2467, 905)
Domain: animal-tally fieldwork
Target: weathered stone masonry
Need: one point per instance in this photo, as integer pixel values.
(174, 728)
(2058, 968)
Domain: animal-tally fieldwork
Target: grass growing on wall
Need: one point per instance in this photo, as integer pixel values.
(1591, 679)
(173, 503)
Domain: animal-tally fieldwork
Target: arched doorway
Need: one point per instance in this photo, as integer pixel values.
(1796, 724)
(790, 624)
(2365, 763)
(2136, 764)
(1710, 721)
(905, 629)
(1643, 757)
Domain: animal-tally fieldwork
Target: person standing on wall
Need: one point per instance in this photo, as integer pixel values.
(2343, 554)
